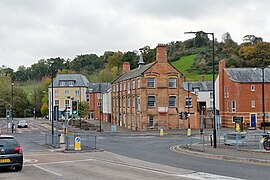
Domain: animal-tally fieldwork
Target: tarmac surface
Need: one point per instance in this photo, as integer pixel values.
(206, 150)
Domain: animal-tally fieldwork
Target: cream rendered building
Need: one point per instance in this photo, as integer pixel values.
(67, 87)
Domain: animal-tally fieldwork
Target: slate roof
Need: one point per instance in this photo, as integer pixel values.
(248, 75)
(94, 87)
(80, 80)
(202, 85)
(134, 73)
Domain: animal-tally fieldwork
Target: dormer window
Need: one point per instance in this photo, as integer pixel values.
(71, 83)
(61, 83)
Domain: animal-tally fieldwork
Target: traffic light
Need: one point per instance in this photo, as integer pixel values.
(186, 115)
(74, 107)
(181, 115)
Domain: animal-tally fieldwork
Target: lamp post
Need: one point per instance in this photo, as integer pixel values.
(213, 73)
(12, 125)
(100, 107)
(52, 115)
(263, 106)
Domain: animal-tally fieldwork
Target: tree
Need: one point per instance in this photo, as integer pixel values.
(201, 39)
(252, 39)
(257, 55)
(83, 109)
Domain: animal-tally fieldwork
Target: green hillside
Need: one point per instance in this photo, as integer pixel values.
(184, 64)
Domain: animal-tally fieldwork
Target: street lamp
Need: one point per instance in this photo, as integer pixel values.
(100, 105)
(213, 73)
(12, 125)
(263, 106)
(52, 115)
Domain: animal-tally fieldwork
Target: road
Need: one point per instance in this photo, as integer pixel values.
(125, 157)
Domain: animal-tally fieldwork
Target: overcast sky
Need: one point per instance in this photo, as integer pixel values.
(31, 30)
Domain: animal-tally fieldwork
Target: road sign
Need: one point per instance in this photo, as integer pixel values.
(77, 144)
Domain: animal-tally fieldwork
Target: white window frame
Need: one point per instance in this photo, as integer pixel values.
(56, 93)
(56, 102)
(71, 83)
(67, 104)
(77, 93)
(172, 103)
(253, 104)
(252, 87)
(233, 106)
(153, 104)
(66, 93)
(151, 82)
(172, 82)
(151, 121)
(133, 84)
(139, 83)
(188, 102)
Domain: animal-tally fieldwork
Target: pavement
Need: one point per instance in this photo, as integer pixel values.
(222, 151)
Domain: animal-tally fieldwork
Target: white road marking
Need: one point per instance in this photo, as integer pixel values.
(30, 160)
(59, 162)
(49, 171)
(195, 175)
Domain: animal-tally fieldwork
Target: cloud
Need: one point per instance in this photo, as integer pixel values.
(32, 30)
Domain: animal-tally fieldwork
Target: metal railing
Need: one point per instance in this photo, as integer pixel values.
(53, 141)
(88, 141)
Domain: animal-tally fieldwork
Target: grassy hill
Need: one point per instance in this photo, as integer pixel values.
(184, 64)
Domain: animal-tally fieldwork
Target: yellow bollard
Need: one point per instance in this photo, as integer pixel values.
(161, 133)
(189, 132)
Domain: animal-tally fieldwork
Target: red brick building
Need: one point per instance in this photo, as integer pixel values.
(95, 98)
(241, 95)
(150, 96)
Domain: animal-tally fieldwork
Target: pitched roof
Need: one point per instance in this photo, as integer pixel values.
(99, 87)
(134, 73)
(248, 75)
(80, 80)
(201, 85)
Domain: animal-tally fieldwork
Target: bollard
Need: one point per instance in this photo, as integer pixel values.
(161, 133)
(211, 139)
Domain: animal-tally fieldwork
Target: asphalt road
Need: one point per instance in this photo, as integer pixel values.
(125, 157)
(157, 150)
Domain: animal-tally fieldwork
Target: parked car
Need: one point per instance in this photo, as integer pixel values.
(11, 154)
(22, 124)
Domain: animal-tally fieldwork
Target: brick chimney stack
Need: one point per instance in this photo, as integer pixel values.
(161, 55)
(126, 67)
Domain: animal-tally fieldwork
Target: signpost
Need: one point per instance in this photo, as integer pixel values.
(77, 144)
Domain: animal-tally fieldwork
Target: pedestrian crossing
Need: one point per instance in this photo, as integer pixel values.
(34, 126)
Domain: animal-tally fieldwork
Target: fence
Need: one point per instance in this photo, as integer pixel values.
(88, 141)
(53, 141)
(239, 141)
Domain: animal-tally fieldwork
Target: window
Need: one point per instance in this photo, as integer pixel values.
(128, 101)
(133, 84)
(139, 83)
(253, 104)
(151, 121)
(138, 103)
(172, 83)
(120, 86)
(226, 94)
(56, 102)
(151, 82)
(66, 93)
(67, 103)
(196, 90)
(189, 102)
(62, 83)
(77, 93)
(211, 95)
(71, 83)
(56, 93)
(124, 86)
(252, 88)
(172, 101)
(124, 101)
(128, 88)
(233, 106)
(151, 101)
(133, 101)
